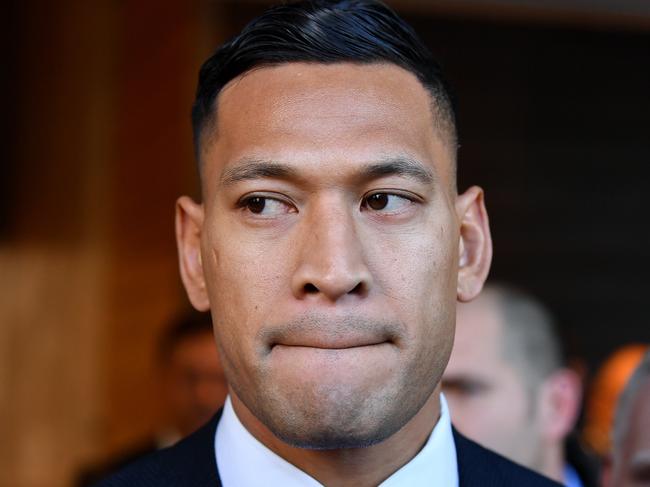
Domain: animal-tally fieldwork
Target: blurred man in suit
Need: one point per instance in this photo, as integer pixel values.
(192, 387)
(508, 387)
(629, 463)
(331, 246)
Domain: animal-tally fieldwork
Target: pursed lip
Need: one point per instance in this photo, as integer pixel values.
(331, 345)
(326, 333)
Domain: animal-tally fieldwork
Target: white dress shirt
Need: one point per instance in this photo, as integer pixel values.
(243, 461)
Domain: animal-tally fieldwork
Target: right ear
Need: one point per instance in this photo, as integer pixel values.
(189, 225)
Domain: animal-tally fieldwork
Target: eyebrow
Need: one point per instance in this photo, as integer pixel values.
(250, 169)
(399, 166)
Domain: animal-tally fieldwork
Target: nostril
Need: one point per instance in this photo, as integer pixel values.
(310, 288)
(358, 289)
(334, 290)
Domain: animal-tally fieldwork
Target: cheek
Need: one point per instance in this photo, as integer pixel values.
(415, 271)
(510, 411)
(244, 279)
(418, 272)
(418, 262)
(492, 417)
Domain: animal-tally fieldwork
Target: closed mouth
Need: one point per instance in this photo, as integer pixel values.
(319, 332)
(330, 346)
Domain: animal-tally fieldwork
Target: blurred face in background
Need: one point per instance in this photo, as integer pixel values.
(329, 248)
(631, 457)
(194, 383)
(488, 397)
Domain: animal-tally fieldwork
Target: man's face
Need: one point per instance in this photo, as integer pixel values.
(329, 243)
(195, 384)
(632, 460)
(487, 394)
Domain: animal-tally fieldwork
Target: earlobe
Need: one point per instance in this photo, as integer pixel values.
(475, 244)
(189, 225)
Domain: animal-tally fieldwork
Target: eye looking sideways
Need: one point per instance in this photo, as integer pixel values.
(274, 205)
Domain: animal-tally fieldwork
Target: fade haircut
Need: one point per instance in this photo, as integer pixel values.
(624, 407)
(530, 339)
(318, 31)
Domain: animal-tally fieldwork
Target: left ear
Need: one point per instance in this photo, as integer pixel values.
(475, 243)
(560, 397)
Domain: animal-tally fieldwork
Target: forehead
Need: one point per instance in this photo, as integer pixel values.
(480, 346)
(478, 332)
(344, 109)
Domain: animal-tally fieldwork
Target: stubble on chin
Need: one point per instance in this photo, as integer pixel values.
(329, 416)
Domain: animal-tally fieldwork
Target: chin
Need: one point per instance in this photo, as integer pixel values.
(332, 439)
(337, 419)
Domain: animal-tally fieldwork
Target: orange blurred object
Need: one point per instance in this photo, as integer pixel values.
(605, 389)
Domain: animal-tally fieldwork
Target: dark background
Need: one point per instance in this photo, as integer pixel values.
(555, 126)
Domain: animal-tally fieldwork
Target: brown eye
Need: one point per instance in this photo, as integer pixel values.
(256, 204)
(266, 206)
(386, 203)
(377, 201)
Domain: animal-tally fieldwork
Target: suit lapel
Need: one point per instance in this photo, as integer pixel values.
(200, 458)
(470, 464)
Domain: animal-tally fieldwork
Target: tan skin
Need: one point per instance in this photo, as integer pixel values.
(331, 247)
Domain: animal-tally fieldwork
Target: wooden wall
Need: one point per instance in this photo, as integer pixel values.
(100, 147)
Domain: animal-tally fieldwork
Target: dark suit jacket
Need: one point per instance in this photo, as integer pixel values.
(191, 463)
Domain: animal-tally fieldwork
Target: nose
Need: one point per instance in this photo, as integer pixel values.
(332, 264)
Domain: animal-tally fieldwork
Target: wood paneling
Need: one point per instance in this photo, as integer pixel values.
(101, 148)
(51, 310)
(53, 305)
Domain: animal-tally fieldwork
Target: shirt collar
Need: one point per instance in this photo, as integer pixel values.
(243, 460)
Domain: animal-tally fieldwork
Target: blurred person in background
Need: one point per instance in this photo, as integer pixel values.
(192, 388)
(604, 391)
(508, 388)
(194, 385)
(629, 463)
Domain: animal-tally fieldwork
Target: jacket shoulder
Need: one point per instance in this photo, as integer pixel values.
(478, 466)
(189, 463)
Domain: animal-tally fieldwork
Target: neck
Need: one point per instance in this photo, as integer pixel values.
(553, 464)
(352, 466)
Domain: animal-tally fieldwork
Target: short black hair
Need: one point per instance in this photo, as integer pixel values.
(186, 325)
(319, 31)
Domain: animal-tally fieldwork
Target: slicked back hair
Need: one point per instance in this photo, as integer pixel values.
(319, 31)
